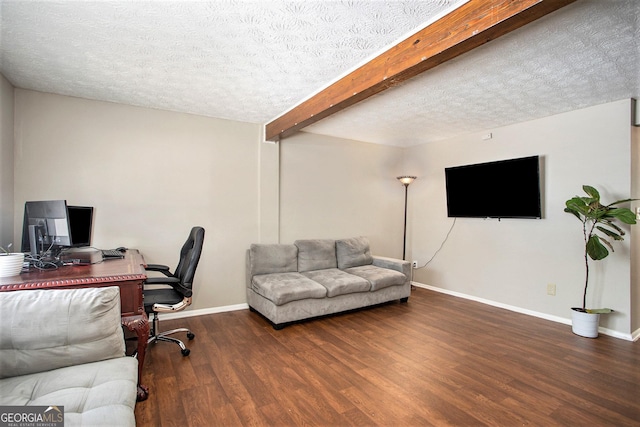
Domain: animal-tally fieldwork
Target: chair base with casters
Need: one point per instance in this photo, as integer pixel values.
(153, 308)
(162, 336)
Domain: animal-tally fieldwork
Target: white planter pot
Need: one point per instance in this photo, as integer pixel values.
(11, 264)
(585, 324)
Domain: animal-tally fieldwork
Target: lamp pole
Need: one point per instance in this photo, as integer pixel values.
(405, 180)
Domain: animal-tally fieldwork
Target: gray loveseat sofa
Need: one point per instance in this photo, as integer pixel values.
(312, 278)
(66, 348)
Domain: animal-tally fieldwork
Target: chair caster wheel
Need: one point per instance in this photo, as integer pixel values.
(185, 352)
(191, 335)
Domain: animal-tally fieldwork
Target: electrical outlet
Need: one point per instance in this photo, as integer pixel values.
(551, 289)
(415, 264)
(638, 213)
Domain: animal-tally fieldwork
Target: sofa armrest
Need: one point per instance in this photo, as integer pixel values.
(403, 267)
(41, 330)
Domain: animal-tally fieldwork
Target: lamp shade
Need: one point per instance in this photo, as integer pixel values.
(406, 179)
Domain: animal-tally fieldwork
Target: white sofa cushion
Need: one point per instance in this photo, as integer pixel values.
(281, 288)
(316, 254)
(272, 258)
(353, 252)
(338, 282)
(93, 394)
(378, 276)
(48, 329)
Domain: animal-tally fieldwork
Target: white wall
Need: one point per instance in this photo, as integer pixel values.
(512, 261)
(6, 164)
(335, 188)
(151, 175)
(269, 193)
(175, 170)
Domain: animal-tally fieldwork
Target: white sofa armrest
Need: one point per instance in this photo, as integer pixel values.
(403, 267)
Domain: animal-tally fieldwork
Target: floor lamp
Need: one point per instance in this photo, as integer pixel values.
(405, 180)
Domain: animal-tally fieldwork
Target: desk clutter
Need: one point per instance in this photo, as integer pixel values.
(56, 234)
(71, 256)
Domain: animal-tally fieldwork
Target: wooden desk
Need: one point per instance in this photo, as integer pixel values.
(128, 274)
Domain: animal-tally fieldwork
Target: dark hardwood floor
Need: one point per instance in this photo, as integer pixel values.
(438, 360)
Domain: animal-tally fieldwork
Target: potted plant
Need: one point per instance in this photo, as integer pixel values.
(600, 228)
(10, 263)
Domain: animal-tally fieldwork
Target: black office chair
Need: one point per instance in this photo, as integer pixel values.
(176, 296)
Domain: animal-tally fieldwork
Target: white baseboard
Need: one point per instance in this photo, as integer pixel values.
(203, 311)
(566, 321)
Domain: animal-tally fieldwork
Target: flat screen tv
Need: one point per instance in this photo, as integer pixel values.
(80, 225)
(501, 189)
(46, 227)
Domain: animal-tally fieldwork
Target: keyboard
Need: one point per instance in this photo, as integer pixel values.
(112, 253)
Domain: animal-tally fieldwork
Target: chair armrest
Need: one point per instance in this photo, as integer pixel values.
(159, 268)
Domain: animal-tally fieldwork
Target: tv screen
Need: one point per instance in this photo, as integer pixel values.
(80, 222)
(45, 226)
(501, 189)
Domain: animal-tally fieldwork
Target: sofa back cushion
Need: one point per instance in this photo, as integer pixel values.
(353, 252)
(41, 330)
(317, 254)
(272, 258)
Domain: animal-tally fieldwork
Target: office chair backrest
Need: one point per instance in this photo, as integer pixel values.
(189, 257)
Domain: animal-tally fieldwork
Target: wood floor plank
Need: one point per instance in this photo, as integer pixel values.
(168, 399)
(434, 361)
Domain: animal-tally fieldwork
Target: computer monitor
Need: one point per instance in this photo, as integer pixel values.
(80, 225)
(45, 228)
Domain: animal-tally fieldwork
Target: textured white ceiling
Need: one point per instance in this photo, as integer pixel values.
(585, 54)
(253, 60)
(241, 60)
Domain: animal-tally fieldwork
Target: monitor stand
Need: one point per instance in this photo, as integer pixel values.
(33, 242)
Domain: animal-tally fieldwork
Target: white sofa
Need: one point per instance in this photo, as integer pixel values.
(312, 278)
(66, 348)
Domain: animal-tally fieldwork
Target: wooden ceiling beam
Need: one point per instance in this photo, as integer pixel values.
(465, 28)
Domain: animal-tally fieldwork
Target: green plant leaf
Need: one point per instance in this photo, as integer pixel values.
(596, 249)
(575, 213)
(609, 222)
(597, 212)
(612, 234)
(577, 206)
(576, 203)
(606, 243)
(623, 214)
(591, 192)
(618, 202)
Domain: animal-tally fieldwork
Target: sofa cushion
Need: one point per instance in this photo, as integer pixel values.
(273, 258)
(98, 393)
(338, 282)
(379, 277)
(317, 254)
(353, 252)
(281, 288)
(48, 329)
